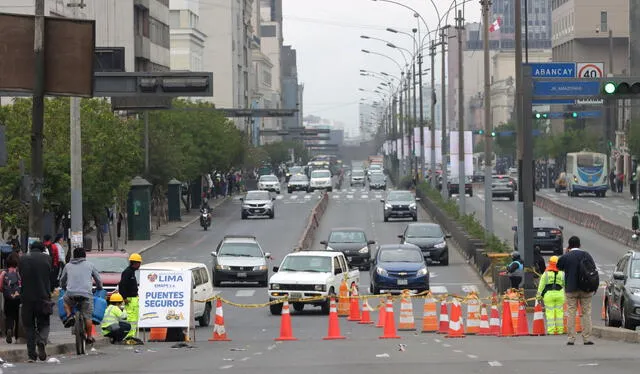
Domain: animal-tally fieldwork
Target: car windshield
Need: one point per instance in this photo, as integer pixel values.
(109, 264)
(314, 264)
(400, 196)
(240, 250)
(357, 173)
(400, 255)
(424, 231)
(545, 223)
(347, 237)
(295, 170)
(257, 195)
(268, 178)
(377, 178)
(321, 174)
(497, 180)
(298, 178)
(635, 269)
(375, 167)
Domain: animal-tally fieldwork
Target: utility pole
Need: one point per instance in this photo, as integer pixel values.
(610, 129)
(146, 143)
(422, 150)
(461, 166)
(394, 125)
(401, 127)
(36, 208)
(488, 127)
(414, 154)
(432, 54)
(444, 146)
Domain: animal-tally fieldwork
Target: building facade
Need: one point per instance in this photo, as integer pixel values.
(187, 40)
(290, 86)
(271, 41)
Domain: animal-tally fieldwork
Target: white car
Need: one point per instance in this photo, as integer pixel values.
(320, 180)
(269, 183)
(307, 274)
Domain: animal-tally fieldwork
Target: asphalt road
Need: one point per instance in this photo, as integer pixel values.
(615, 207)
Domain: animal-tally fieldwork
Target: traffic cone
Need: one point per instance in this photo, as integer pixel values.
(343, 299)
(494, 320)
(485, 329)
(429, 315)
(507, 323)
(473, 314)
(158, 334)
(286, 333)
(382, 313)
(538, 321)
(523, 323)
(456, 326)
(366, 316)
(354, 305)
(514, 307)
(94, 333)
(219, 332)
(579, 318)
(603, 308)
(334, 323)
(389, 323)
(444, 318)
(407, 322)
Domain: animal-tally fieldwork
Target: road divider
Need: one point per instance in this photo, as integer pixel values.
(616, 334)
(591, 221)
(309, 233)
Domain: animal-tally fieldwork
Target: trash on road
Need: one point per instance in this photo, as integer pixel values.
(383, 355)
(53, 360)
(402, 347)
(237, 349)
(182, 345)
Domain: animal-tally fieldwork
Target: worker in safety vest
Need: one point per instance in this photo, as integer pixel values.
(516, 270)
(551, 291)
(114, 325)
(128, 288)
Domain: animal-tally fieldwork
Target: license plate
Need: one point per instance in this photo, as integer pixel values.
(402, 282)
(541, 234)
(242, 275)
(349, 258)
(589, 184)
(295, 295)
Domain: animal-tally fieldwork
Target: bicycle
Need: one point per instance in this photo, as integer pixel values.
(79, 327)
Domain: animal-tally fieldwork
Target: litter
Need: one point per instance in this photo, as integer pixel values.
(238, 349)
(182, 345)
(383, 355)
(402, 347)
(137, 350)
(53, 360)
(227, 359)
(93, 349)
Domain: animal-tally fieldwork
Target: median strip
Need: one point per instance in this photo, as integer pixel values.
(309, 233)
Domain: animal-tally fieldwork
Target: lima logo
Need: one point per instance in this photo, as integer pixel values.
(152, 277)
(170, 278)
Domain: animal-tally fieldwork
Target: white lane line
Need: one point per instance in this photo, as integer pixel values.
(307, 197)
(294, 197)
(257, 353)
(437, 340)
(279, 197)
(349, 196)
(226, 367)
(495, 363)
(446, 345)
(364, 196)
(472, 356)
(271, 347)
(245, 359)
(336, 197)
(245, 293)
(457, 351)
(438, 289)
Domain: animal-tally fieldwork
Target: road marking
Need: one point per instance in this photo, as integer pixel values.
(446, 345)
(472, 356)
(495, 363)
(470, 288)
(364, 196)
(437, 340)
(257, 353)
(336, 197)
(245, 359)
(226, 367)
(271, 347)
(245, 293)
(457, 351)
(378, 196)
(349, 196)
(293, 197)
(279, 197)
(438, 289)
(307, 197)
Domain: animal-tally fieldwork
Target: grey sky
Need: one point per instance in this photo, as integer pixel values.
(326, 34)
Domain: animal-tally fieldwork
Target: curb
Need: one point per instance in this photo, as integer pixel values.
(616, 334)
(309, 232)
(20, 354)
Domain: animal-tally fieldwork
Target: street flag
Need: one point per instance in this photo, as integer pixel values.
(495, 26)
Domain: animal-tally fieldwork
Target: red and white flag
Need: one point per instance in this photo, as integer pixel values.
(495, 26)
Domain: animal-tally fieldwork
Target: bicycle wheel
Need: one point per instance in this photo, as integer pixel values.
(81, 339)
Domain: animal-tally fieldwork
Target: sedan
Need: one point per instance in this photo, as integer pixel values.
(110, 266)
(258, 203)
(400, 204)
(430, 239)
(377, 182)
(353, 243)
(622, 293)
(298, 182)
(547, 235)
(454, 186)
(269, 183)
(239, 258)
(398, 267)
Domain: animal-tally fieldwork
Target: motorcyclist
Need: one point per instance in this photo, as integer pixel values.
(205, 208)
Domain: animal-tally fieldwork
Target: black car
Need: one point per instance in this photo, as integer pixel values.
(622, 295)
(298, 182)
(430, 239)
(377, 182)
(547, 235)
(454, 186)
(353, 243)
(400, 204)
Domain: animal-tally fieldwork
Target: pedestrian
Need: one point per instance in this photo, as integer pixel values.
(551, 292)
(620, 182)
(633, 184)
(114, 324)
(10, 284)
(35, 270)
(128, 288)
(580, 286)
(59, 244)
(515, 270)
(612, 180)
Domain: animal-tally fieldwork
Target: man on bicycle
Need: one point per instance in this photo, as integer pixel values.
(76, 282)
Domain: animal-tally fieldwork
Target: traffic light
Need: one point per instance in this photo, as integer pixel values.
(493, 134)
(571, 115)
(538, 115)
(629, 86)
(478, 132)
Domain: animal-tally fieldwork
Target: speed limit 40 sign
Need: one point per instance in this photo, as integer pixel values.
(589, 70)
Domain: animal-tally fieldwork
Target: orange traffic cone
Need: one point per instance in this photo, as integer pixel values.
(485, 329)
(603, 308)
(389, 323)
(429, 315)
(494, 320)
(219, 332)
(382, 313)
(514, 307)
(94, 333)
(507, 323)
(343, 300)
(473, 314)
(456, 326)
(286, 332)
(334, 323)
(158, 334)
(407, 322)
(354, 305)
(538, 321)
(444, 318)
(366, 316)
(579, 318)
(523, 323)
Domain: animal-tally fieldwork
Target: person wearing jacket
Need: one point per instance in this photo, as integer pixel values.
(551, 291)
(128, 288)
(515, 270)
(114, 324)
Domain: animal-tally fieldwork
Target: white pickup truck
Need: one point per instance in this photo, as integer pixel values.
(307, 274)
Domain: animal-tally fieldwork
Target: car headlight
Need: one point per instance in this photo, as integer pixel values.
(223, 267)
(412, 206)
(364, 250)
(387, 206)
(382, 272)
(635, 291)
(320, 287)
(422, 272)
(260, 268)
(274, 286)
(440, 245)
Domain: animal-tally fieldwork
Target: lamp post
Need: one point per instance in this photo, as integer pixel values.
(488, 127)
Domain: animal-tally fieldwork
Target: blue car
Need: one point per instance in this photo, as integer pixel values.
(399, 267)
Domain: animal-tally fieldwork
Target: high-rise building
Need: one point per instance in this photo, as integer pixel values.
(538, 16)
(187, 40)
(290, 86)
(271, 41)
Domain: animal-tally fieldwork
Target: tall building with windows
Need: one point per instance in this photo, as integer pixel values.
(290, 86)
(187, 41)
(271, 41)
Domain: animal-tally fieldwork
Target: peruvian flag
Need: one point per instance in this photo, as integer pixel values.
(495, 26)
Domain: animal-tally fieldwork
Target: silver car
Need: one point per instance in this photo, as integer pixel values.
(258, 204)
(269, 183)
(502, 186)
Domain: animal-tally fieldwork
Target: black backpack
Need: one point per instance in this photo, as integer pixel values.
(11, 285)
(588, 277)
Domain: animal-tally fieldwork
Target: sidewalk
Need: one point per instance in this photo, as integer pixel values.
(60, 343)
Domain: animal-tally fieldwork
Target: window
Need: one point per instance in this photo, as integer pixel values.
(603, 22)
(268, 31)
(336, 266)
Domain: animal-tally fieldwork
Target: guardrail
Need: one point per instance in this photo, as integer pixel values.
(309, 233)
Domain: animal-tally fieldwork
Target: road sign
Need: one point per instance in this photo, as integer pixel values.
(590, 70)
(560, 88)
(553, 70)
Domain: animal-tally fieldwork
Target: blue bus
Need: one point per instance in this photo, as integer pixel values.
(587, 172)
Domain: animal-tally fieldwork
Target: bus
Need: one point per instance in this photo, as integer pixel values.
(587, 172)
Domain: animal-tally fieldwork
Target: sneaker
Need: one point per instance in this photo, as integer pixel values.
(9, 336)
(32, 359)
(69, 322)
(42, 353)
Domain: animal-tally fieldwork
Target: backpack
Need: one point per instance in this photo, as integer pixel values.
(11, 284)
(588, 277)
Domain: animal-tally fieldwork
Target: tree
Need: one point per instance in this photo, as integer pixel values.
(634, 138)
(278, 152)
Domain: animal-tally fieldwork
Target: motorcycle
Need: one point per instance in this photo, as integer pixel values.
(205, 219)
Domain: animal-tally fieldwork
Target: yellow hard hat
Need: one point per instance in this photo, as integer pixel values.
(553, 259)
(116, 298)
(135, 257)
